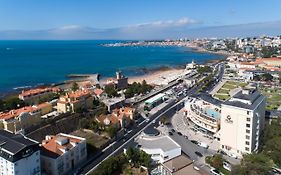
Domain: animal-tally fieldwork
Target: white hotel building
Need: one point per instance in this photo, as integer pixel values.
(18, 155)
(242, 122)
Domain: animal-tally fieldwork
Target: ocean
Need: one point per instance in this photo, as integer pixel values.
(33, 63)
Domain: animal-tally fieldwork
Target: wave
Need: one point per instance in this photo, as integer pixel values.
(21, 87)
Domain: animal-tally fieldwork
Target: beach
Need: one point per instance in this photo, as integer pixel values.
(157, 77)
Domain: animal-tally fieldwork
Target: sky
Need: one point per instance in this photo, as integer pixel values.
(136, 19)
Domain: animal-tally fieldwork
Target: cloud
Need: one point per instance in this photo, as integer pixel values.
(164, 24)
(180, 28)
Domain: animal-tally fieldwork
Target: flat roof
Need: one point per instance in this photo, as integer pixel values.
(155, 98)
(159, 142)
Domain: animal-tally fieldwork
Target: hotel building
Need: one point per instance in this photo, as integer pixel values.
(62, 153)
(242, 122)
(204, 112)
(18, 155)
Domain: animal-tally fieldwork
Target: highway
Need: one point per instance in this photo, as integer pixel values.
(128, 140)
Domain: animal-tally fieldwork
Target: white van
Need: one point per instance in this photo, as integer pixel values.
(203, 145)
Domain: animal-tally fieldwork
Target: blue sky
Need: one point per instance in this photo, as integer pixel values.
(166, 16)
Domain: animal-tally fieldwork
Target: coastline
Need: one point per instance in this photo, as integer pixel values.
(151, 75)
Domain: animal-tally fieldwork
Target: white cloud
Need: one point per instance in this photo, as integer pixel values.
(168, 23)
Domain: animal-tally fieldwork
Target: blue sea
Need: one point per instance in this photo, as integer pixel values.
(32, 63)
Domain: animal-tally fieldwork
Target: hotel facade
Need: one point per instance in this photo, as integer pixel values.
(242, 122)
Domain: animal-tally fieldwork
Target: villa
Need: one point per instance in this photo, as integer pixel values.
(33, 96)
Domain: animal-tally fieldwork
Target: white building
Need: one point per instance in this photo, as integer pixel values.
(62, 153)
(242, 122)
(161, 147)
(18, 155)
(204, 112)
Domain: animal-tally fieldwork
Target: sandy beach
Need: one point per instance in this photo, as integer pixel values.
(158, 77)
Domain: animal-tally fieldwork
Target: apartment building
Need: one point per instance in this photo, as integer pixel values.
(75, 101)
(33, 96)
(19, 155)
(61, 153)
(242, 122)
(20, 119)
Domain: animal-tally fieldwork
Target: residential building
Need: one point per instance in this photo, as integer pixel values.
(242, 122)
(34, 96)
(121, 117)
(19, 155)
(62, 153)
(75, 101)
(180, 165)
(19, 119)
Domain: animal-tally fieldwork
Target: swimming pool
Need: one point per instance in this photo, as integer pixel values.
(212, 113)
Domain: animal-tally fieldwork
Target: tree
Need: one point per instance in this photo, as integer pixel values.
(256, 164)
(164, 120)
(10, 103)
(217, 161)
(112, 131)
(74, 86)
(111, 91)
(266, 77)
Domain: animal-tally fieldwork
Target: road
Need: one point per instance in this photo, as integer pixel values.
(118, 146)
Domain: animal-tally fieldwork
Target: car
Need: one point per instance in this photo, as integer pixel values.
(194, 141)
(227, 166)
(203, 145)
(170, 133)
(173, 130)
(185, 136)
(179, 133)
(215, 171)
(222, 152)
(198, 154)
(232, 155)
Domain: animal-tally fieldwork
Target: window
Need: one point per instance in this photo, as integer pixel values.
(248, 119)
(247, 148)
(247, 143)
(248, 112)
(248, 131)
(247, 137)
(248, 125)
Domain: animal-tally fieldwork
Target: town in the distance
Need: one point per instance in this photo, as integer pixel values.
(220, 117)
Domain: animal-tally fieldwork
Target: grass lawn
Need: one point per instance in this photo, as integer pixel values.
(222, 97)
(92, 138)
(223, 91)
(273, 97)
(228, 86)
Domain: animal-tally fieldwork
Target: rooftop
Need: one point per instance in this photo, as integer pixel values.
(247, 98)
(56, 145)
(14, 143)
(155, 98)
(164, 143)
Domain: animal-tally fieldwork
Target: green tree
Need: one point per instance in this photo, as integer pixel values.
(217, 161)
(253, 164)
(111, 91)
(111, 131)
(266, 77)
(74, 86)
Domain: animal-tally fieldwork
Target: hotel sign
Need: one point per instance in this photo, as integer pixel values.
(228, 119)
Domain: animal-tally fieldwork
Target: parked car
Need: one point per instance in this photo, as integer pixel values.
(215, 171)
(194, 141)
(203, 145)
(222, 152)
(185, 136)
(232, 155)
(170, 133)
(179, 133)
(226, 166)
(172, 130)
(198, 154)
